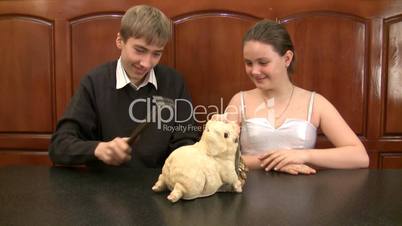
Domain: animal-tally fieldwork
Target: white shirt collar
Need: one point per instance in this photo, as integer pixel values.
(122, 79)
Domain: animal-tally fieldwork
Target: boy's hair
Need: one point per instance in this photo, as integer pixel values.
(274, 34)
(147, 22)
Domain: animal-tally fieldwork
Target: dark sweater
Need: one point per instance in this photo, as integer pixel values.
(100, 112)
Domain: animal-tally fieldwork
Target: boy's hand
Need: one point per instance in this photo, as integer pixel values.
(114, 152)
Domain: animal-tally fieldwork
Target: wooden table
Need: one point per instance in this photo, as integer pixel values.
(123, 196)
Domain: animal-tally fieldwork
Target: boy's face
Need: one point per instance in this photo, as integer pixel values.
(138, 57)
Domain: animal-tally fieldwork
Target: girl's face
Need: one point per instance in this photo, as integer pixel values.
(265, 67)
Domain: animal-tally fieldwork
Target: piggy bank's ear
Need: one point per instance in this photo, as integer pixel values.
(236, 127)
(219, 117)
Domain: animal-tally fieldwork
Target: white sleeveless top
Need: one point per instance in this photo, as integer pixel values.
(258, 135)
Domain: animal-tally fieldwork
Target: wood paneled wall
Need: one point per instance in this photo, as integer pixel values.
(349, 51)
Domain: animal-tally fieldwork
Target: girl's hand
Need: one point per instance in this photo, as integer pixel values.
(295, 169)
(278, 159)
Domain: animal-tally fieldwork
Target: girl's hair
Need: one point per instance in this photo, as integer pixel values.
(274, 34)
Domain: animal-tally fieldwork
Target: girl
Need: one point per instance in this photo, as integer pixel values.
(279, 120)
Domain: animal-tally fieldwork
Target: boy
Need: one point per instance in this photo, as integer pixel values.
(117, 96)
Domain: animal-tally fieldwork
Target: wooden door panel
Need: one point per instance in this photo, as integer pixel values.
(331, 58)
(93, 43)
(393, 102)
(12, 158)
(208, 51)
(27, 73)
(391, 160)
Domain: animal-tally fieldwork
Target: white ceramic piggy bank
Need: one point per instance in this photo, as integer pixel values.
(199, 170)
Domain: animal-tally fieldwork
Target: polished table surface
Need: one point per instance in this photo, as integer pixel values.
(122, 196)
